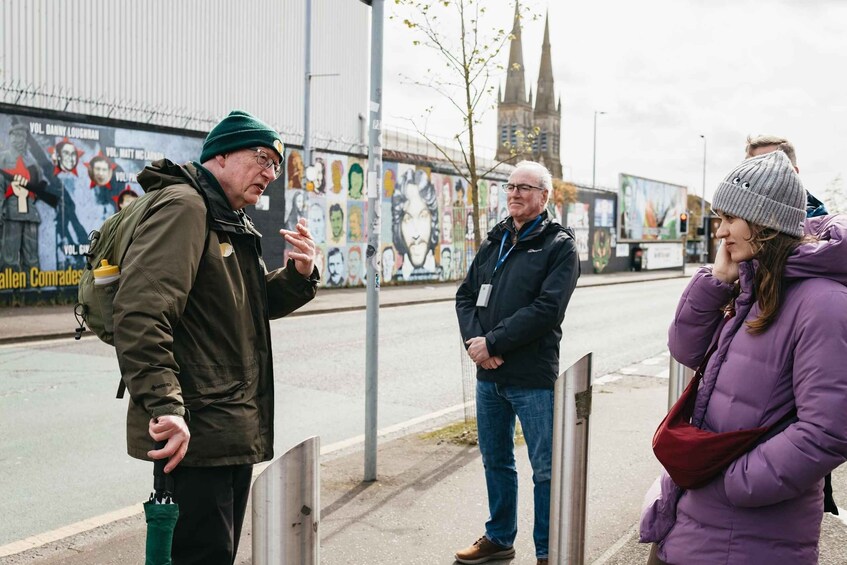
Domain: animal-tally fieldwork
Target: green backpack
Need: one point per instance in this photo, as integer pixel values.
(109, 244)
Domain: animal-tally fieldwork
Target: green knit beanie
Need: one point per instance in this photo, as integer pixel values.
(240, 130)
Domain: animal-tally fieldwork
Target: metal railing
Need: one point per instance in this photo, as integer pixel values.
(286, 508)
(569, 482)
(679, 377)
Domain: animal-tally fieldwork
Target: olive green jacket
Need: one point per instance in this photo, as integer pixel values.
(191, 320)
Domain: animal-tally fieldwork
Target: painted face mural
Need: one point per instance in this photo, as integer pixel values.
(17, 140)
(126, 197)
(357, 221)
(356, 180)
(388, 260)
(335, 267)
(67, 156)
(446, 227)
(336, 222)
(337, 174)
(318, 185)
(100, 171)
(295, 170)
(317, 222)
(415, 218)
(354, 266)
(446, 263)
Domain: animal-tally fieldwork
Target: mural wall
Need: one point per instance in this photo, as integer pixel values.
(59, 180)
(427, 229)
(592, 218)
(650, 209)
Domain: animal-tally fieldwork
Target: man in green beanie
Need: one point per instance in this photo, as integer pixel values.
(192, 333)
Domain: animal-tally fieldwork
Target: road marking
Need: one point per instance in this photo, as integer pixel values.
(66, 531)
(616, 547)
(89, 524)
(606, 379)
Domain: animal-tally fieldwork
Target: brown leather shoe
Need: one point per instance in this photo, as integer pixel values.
(482, 551)
(542, 561)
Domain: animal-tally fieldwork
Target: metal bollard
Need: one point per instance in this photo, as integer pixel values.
(286, 508)
(679, 377)
(569, 481)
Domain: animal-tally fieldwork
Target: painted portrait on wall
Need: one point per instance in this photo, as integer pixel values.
(355, 221)
(414, 213)
(295, 169)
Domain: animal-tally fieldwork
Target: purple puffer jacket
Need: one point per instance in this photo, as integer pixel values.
(767, 506)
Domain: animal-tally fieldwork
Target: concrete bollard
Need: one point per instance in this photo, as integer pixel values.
(286, 508)
(569, 482)
(679, 377)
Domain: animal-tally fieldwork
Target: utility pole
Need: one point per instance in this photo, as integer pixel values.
(594, 159)
(374, 186)
(307, 90)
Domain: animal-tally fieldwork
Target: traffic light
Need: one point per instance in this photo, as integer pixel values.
(683, 223)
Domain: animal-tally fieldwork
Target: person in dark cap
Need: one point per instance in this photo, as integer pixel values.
(767, 325)
(191, 329)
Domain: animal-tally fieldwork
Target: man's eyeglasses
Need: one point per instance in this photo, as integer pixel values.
(521, 188)
(266, 162)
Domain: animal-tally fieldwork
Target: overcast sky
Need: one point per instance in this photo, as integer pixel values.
(666, 72)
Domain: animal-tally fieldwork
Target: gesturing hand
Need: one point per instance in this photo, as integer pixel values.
(303, 253)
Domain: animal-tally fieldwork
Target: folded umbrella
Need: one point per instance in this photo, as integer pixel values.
(161, 513)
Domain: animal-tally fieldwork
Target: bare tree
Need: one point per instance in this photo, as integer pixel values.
(467, 79)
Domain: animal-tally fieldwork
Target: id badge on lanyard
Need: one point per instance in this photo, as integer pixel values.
(485, 289)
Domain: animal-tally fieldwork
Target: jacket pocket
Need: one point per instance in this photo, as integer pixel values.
(204, 384)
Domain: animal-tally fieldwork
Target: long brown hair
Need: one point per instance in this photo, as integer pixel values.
(771, 249)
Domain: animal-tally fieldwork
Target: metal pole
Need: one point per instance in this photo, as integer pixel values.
(594, 158)
(374, 185)
(286, 508)
(703, 205)
(569, 481)
(679, 377)
(307, 89)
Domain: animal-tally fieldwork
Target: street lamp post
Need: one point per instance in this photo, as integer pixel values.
(705, 254)
(594, 160)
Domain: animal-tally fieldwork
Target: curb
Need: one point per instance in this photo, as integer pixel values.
(70, 334)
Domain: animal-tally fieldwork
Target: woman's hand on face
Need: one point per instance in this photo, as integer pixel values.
(725, 268)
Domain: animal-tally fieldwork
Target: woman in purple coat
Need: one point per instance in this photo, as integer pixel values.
(783, 349)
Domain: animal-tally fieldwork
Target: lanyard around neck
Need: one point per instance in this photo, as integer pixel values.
(502, 258)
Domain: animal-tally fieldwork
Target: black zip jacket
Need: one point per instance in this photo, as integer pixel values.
(531, 290)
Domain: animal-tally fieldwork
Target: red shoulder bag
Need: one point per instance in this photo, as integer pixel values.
(693, 457)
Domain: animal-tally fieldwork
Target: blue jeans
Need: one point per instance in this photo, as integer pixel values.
(496, 408)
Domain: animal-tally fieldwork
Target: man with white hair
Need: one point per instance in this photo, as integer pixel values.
(510, 308)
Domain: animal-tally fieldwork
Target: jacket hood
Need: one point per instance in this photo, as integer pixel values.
(825, 258)
(164, 173)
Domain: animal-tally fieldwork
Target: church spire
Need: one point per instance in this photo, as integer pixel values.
(544, 96)
(515, 85)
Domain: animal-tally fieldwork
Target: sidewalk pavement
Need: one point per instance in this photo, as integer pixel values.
(29, 323)
(429, 499)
